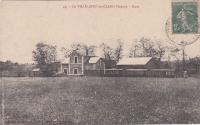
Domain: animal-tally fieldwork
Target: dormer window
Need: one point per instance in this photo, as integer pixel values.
(75, 59)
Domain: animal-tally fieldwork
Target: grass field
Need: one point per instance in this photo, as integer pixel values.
(101, 100)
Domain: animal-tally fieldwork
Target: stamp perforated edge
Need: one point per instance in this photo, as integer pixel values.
(198, 11)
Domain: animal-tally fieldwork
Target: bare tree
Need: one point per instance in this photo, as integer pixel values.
(153, 49)
(143, 48)
(87, 48)
(66, 52)
(118, 51)
(176, 53)
(107, 53)
(148, 47)
(135, 50)
(82, 46)
(76, 46)
(160, 51)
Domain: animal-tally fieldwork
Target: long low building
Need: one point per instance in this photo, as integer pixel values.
(138, 63)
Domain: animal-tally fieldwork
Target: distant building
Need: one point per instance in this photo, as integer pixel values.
(79, 61)
(138, 63)
(36, 72)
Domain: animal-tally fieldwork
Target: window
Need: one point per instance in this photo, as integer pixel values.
(75, 71)
(76, 59)
(65, 71)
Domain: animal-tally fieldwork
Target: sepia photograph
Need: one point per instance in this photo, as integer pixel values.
(99, 62)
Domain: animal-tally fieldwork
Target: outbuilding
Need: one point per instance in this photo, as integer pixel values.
(138, 63)
(36, 72)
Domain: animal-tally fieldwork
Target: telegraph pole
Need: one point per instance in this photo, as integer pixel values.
(197, 66)
(183, 58)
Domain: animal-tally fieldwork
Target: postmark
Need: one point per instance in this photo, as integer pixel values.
(182, 27)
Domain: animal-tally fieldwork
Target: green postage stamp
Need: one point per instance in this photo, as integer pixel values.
(185, 17)
(183, 27)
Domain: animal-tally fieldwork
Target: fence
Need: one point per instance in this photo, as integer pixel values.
(113, 72)
(94, 72)
(131, 73)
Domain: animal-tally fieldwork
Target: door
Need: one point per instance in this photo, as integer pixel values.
(65, 71)
(75, 71)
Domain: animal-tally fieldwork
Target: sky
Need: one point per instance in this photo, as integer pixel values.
(25, 23)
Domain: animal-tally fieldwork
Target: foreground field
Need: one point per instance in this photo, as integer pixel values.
(95, 100)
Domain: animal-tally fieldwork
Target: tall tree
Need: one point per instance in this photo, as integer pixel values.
(51, 52)
(89, 49)
(143, 48)
(82, 46)
(148, 47)
(46, 57)
(66, 52)
(39, 55)
(45, 54)
(76, 46)
(160, 51)
(135, 50)
(118, 51)
(176, 53)
(108, 53)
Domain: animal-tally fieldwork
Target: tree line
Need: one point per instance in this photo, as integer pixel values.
(9, 68)
(169, 56)
(46, 56)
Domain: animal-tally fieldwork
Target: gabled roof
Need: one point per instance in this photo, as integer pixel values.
(86, 59)
(134, 61)
(36, 69)
(93, 59)
(82, 53)
(65, 61)
(163, 69)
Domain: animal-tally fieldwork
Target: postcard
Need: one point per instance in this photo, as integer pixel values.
(100, 62)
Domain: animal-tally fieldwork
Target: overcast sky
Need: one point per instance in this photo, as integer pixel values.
(24, 24)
